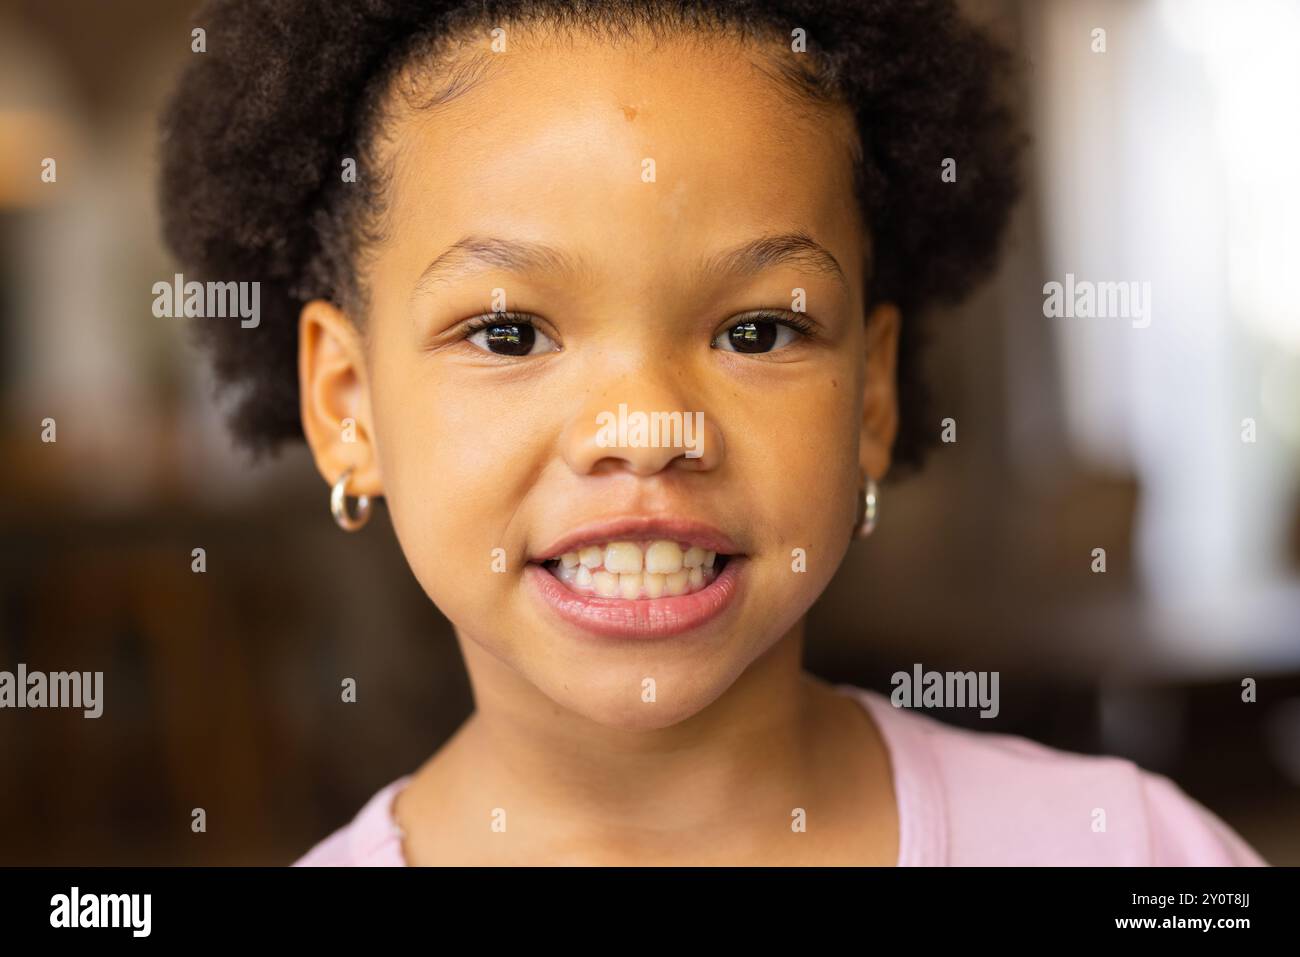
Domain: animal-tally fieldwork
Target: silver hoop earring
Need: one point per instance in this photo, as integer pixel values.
(869, 504)
(339, 505)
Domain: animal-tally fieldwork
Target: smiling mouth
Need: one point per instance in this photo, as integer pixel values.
(637, 569)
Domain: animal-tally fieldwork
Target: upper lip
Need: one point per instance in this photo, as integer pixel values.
(669, 528)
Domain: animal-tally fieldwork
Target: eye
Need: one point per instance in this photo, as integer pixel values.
(505, 334)
(762, 333)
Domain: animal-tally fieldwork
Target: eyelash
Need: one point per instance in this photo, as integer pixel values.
(805, 327)
(487, 321)
(797, 322)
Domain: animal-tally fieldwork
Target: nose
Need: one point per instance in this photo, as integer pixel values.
(639, 424)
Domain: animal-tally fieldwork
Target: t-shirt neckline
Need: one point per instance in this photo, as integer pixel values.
(918, 790)
(918, 795)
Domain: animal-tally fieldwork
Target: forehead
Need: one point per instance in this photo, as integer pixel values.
(662, 148)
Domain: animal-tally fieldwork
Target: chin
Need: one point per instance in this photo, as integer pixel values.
(620, 697)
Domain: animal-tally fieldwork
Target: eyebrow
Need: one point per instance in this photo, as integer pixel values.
(472, 253)
(797, 248)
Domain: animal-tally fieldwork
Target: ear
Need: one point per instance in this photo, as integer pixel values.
(880, 400)
(334, 398)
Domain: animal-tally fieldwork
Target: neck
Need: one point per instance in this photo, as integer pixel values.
(684, 783)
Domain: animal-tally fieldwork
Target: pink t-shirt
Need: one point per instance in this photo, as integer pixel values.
(964, 798)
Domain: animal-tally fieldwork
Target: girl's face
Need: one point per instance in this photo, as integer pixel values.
(641, 212)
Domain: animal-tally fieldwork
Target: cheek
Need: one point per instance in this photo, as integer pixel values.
(818, 503)
(801, 444)
(455, 465)
(801, 451)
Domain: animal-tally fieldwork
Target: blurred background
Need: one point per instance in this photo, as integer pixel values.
(1167, 158)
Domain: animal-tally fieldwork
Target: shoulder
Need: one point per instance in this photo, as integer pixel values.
(1007, 800)
(370, 839)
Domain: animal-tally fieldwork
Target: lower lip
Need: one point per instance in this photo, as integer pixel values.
(642, 618)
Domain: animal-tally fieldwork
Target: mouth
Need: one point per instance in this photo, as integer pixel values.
(639, 577)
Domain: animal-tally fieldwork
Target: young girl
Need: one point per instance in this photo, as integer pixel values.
(615, 304)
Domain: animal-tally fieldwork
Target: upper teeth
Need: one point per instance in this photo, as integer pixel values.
(633, 569)
(660, 557)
